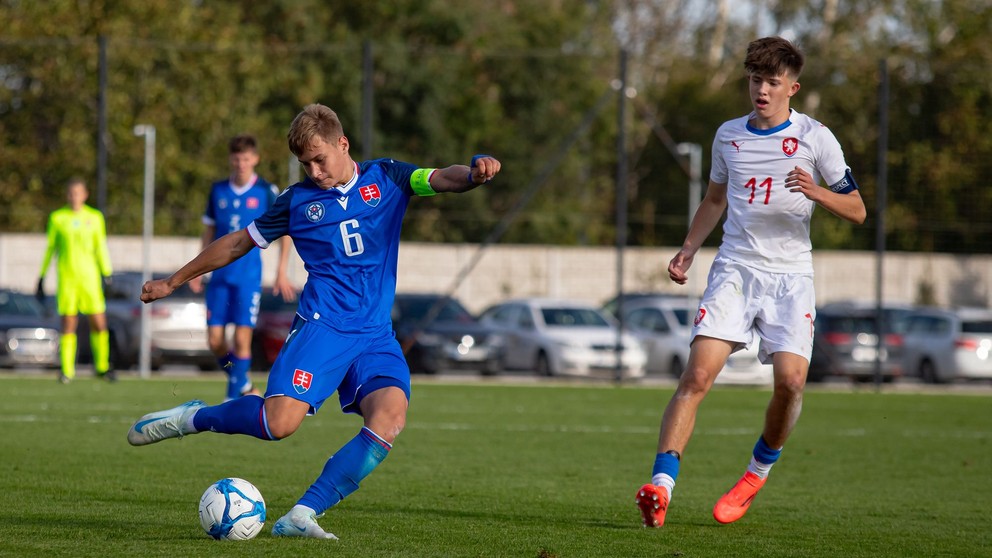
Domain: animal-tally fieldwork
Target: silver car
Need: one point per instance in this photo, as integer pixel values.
(945, 345)
(561, 337)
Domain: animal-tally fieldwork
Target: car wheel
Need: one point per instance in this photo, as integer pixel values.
(675, 368)
(543, 365)
(928, 372)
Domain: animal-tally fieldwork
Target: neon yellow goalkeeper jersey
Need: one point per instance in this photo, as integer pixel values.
(79, 239)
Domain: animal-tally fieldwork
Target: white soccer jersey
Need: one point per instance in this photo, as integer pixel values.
(767, 226)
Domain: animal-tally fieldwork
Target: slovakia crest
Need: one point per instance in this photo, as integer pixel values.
(252, 203)
(790, 146)
(370, 194)
(302, 380)
(699, 316)
(315, 211)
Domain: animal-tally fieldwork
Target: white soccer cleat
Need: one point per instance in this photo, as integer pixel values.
(300, 522)
(171, 423)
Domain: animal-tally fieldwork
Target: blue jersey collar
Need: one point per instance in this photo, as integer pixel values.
(769, 131)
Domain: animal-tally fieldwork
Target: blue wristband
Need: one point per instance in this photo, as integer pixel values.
(471, 166)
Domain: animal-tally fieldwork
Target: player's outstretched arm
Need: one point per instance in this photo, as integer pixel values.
(219, 253)
(462, 178)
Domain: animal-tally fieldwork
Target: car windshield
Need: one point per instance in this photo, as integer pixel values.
(13, 304)
(572, 317)
(417, 308)
(851, 324)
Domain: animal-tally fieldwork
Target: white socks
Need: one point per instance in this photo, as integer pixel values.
(758, 468)
(664, 481)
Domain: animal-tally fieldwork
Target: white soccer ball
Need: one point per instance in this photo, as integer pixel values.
(232, 509)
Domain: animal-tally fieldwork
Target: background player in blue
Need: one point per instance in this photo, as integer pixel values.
(345, 221)
(234, 290)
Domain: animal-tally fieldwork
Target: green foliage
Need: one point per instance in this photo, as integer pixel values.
(501, 470)
(512, 78)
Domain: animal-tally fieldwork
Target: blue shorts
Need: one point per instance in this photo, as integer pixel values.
(232, 304)
(316, 361)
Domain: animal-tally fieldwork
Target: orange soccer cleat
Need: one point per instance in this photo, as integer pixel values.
(653, 502)
(734, 504)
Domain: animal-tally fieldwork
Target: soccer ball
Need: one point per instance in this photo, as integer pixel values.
(232, 509)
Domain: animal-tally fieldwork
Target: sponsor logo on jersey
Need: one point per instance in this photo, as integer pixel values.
(302, 380)
(699, 316)
(370, 194)
(252, 203)
(790, 146)
(737, 145)
(222, 203)
(315, 211)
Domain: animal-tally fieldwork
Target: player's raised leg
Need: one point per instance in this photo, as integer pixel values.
(780, 418)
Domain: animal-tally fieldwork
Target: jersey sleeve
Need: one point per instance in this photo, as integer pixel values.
(102, 252)
(210, 213)
(274, 223)
(718, 167)
(50, 235)
(830, 157)
(400, 173)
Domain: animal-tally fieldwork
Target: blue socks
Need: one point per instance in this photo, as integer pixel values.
(765, 454)
(243, 415)
(237, 375)
(763, 458)
(345, 469)
(666, 469)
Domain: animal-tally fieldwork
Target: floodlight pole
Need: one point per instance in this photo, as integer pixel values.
(145, 352)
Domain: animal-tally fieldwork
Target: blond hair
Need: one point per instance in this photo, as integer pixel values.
(313, 121)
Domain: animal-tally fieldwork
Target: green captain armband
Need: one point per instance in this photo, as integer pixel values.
(420, 181)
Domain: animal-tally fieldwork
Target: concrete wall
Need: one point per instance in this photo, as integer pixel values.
(560, 271)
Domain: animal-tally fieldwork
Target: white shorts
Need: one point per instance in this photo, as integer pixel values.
(741, 301)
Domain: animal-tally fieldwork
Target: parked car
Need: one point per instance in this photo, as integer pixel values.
(27, 336)
(744, 368)
(845, 341)
(438, 333)
(275, 318)
(561, 337)
(944, 345)
(178, 325)
(661, 324)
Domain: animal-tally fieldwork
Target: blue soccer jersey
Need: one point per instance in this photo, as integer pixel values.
(230, 209)
(348, 238)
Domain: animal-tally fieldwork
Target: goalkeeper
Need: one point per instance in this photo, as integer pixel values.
(77, 237)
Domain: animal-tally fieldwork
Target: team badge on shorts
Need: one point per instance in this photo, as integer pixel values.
(790, 146)
(315, 212)
(370, 194)
(699, 316)
(302, 380)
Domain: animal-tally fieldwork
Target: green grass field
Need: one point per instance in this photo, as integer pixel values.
(503, 470)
